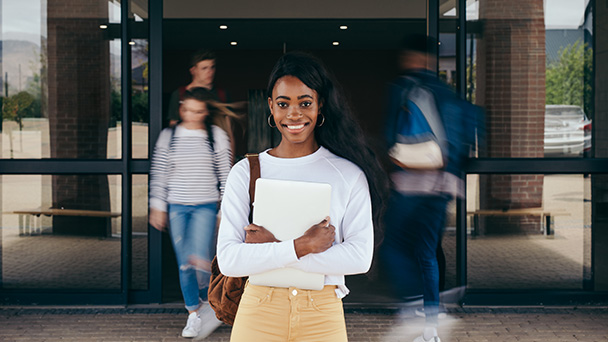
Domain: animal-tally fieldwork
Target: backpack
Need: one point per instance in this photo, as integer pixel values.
(419, 138)
(225, 292)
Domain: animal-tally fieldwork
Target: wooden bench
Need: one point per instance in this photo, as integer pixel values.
(27, 228)
(545, 215)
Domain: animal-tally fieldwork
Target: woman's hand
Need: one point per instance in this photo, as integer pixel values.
(316, 239)
(158, 219)
(258, 234)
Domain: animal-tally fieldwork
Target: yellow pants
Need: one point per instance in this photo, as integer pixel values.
(268, 314)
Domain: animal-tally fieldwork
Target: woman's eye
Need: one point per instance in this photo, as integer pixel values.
(306, 104)
(282, 105)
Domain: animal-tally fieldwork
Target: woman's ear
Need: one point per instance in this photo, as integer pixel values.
(270, 104)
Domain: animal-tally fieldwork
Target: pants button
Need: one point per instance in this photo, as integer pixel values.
(294, 292)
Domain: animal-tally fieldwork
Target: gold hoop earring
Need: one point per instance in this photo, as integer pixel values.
(322, 121)
(269, 124)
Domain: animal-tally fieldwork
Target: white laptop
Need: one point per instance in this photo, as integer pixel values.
(288, 209)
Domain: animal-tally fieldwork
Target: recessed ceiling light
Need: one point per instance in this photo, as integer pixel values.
(131, 43)
(233, 43)
(103, 27)
(336, 43)
(343, 27)
(223, 27)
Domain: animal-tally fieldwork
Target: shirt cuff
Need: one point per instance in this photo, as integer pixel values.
(286, 252)
(158, 204)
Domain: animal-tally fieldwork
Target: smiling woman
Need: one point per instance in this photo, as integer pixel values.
(320, 143)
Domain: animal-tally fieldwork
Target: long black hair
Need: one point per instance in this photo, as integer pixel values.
(340, 133)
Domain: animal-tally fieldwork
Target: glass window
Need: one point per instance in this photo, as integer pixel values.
(140, 110)
(140, 113)
(447, 55)
(529, 64)
(447, 255)
(529, 231)
(447, 9)
(60, 77)
(140, 251)
(60, 232)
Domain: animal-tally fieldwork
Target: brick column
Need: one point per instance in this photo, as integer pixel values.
(511, 87)
(79, 107)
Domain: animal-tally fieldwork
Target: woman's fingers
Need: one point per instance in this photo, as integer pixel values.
(258, 234)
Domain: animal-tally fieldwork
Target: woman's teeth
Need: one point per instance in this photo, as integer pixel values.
(295, 126)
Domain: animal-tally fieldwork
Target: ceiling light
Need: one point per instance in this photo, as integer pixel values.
(343, 27)
(131, 43)
(223, 27)
(103, 27)
(336, 43)
(233, 43)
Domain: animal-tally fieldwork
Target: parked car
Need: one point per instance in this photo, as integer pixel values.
(567, 131)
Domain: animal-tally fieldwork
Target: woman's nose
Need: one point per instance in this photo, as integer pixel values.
(293, 113)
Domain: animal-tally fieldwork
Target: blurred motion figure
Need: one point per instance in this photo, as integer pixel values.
(429, 133)
(190, 164)
(202, 69)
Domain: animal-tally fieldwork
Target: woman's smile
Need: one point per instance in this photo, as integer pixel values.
(295, 127)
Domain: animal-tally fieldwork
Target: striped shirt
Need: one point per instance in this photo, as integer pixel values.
(183, 170)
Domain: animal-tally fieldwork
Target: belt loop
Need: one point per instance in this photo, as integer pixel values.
(310, 299)
(270, 293)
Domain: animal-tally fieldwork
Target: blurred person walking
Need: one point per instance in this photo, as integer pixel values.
(202, 69)
(429, 133)
(190, 164)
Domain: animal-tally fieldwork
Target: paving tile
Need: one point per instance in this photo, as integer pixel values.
(164, 325)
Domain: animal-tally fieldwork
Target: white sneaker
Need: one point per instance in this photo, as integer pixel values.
(428, 331)
(208, 321)
(193, 326)
(433, 339)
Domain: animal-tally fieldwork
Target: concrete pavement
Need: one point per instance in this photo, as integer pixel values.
(164, 323)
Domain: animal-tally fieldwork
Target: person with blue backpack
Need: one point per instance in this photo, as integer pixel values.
(429, 134)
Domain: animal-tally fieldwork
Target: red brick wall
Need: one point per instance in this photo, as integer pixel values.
(78, 106)
(511, 87)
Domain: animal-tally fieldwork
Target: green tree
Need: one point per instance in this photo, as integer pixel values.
(568, 79)
(19, 106)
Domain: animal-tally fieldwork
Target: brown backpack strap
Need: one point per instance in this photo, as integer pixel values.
(254, 169)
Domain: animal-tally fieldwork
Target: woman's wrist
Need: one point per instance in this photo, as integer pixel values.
(301, 246)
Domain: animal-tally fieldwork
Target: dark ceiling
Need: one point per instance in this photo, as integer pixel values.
(179, 34)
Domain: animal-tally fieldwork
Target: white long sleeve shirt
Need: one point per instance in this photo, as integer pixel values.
(183, 172)
(350, 213)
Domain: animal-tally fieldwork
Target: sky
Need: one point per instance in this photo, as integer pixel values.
(558, 13)
(564, 13)
(21, 19)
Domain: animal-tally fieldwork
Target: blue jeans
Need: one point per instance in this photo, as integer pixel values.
(413, 228)
(192, 230)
